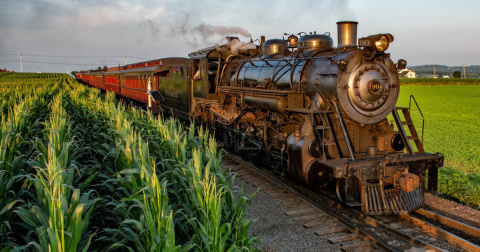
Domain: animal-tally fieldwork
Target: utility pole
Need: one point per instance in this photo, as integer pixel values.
(464, 73)
(125, 60)
(21, 69)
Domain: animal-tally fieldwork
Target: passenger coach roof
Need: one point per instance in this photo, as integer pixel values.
(165, 63)
(202, 53)
(141, 69)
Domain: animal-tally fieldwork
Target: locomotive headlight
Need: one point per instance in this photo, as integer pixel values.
(382, 43)
(379, 42)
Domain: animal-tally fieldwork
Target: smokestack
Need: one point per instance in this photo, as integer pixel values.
(347, 34)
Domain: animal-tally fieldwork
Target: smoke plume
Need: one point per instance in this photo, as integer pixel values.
(204, 34)
(153, 28)
(206, 31)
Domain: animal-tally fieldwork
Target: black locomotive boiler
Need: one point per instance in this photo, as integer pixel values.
(309, 110)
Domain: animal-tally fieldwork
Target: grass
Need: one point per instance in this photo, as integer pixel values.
(451, 128)
(437, 81)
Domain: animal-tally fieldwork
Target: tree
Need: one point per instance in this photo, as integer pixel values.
(457, 74)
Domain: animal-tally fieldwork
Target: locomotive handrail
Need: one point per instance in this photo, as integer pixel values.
(419, 110)
(345, 132)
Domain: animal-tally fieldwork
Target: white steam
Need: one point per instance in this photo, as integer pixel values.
(236, 45)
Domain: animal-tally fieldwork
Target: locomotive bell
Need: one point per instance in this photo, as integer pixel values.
(292, 41)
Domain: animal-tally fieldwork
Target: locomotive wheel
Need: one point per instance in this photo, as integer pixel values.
(228, 140)
(256, 156)
(239, 151)
(340, 189)
(319, 176)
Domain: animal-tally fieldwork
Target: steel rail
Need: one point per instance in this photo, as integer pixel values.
(431, 228)
(313, 198)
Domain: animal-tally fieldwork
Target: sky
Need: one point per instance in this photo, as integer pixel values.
(66, 35)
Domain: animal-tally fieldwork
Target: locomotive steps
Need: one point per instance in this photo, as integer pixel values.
(347, 229)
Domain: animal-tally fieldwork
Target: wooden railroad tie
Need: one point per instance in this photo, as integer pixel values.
(354, 247)
(293, 201)
(300, 211)
(240, 173)
(345, 238)
(314, 224)
(285, 197)
(268, 189)
(235, 168)
(309, 217)
(331, 231)
(275, 194)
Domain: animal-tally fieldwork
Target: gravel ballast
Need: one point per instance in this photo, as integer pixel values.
(453, 210)
(279, 232)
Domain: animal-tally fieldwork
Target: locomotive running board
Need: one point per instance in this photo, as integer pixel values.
(394, 201)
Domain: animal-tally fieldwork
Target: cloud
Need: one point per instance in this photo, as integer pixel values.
(77, 14)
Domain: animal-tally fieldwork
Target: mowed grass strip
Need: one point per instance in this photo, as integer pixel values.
(452, 127)
(452, 122)
(438, 81)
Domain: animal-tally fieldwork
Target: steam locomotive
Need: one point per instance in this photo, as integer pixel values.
(301, 107)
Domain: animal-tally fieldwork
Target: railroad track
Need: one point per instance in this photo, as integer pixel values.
(460, 234)
(363, 233)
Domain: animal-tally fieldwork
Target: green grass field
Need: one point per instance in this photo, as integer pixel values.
(438, 81)
(452, 127)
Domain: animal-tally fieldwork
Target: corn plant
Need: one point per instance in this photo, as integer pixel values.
(160, 184)
(61, 216)
(21, 124)
(147, 216)
(216, 220)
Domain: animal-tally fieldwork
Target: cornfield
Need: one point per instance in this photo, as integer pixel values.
(79, 171)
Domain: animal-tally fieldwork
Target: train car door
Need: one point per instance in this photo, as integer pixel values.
(173, 86)
(212, 77)
(199, 80)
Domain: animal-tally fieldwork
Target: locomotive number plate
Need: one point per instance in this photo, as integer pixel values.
(375, 86)
(363, 42)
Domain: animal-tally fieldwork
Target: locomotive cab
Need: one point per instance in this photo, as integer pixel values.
(205, 73)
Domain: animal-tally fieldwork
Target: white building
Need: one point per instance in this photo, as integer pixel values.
(405, 73)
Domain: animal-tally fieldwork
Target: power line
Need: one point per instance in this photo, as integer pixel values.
(78, 57)
(62, 63)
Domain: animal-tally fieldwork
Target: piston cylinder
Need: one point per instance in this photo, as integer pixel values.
(266, 103)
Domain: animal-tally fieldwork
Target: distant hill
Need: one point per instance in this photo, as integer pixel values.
(441, 70)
